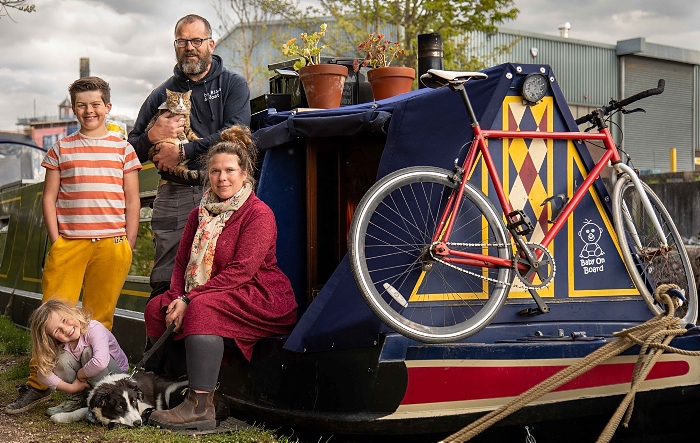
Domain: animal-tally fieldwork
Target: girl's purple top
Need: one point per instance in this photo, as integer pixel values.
(104, 346)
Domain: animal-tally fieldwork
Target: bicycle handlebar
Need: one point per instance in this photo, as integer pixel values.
(605, 110)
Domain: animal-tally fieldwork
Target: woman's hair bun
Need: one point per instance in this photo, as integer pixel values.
(237, 134)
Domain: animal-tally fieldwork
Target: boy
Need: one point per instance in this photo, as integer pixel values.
(91, 211)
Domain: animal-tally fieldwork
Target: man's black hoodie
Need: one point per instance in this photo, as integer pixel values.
(220, 100)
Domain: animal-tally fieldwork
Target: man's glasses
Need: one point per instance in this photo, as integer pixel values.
(196, 42)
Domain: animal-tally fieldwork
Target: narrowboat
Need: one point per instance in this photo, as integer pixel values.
(341, 371)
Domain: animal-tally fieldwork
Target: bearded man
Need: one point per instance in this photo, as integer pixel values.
(220, 99)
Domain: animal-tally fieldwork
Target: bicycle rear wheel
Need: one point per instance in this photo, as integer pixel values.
(390, 238)
(647, 263)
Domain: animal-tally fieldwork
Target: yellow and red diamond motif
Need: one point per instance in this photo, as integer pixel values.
(530, 159)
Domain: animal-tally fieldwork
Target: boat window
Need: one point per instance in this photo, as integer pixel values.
(142, 261)
(4, 228)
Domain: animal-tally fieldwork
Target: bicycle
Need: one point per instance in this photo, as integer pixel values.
(422, 229)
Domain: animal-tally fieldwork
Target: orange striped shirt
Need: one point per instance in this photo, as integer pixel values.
(91, 202)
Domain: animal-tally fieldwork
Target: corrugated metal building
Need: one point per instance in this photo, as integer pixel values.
(589, 74)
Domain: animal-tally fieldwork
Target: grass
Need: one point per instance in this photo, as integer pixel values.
(13, 340)
(14, 370)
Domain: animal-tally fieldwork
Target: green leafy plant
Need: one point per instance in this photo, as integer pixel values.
(310, 52)
(379, 52)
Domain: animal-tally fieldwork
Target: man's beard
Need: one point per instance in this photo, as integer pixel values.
(194, 67)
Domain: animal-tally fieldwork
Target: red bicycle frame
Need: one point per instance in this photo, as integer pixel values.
(442, 233)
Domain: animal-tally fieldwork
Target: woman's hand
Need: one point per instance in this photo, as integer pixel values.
(175, 314)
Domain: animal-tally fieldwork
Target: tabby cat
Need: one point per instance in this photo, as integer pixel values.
(176, 103)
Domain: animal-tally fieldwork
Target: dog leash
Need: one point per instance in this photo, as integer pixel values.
(154, 348)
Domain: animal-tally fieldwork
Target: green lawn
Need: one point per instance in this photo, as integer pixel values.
(14, 369)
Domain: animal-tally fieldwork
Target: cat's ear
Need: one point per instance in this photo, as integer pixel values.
(168, 92)
(188, 94)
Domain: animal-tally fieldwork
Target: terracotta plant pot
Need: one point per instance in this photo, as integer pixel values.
(323, 84)
(390, 81)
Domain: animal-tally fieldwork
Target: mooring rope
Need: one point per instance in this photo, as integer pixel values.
(655, 334)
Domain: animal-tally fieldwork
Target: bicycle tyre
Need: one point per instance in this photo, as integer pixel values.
(649, 269)
(404, 207)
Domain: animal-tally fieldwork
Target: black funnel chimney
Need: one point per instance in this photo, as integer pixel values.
(429, 53)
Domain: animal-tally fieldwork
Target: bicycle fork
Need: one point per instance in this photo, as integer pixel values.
(622, 168)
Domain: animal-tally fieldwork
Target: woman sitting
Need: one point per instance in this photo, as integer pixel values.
(226, 283)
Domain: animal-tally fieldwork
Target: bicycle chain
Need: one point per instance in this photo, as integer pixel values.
(492, 280)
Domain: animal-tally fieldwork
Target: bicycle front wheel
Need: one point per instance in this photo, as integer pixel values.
(414, 294)
(649, 263)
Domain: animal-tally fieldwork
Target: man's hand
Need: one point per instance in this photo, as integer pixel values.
(167, 157)
(168, 125)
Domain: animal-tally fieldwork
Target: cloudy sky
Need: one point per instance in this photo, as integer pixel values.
(129, 42)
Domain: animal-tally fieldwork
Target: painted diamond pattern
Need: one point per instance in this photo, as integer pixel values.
(528, 189)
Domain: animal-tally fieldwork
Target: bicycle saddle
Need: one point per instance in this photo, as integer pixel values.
(450, 76)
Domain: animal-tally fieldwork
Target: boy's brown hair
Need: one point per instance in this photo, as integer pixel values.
(89, 84)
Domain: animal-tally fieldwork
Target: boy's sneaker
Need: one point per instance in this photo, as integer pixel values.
(27, 398)
(73, 402)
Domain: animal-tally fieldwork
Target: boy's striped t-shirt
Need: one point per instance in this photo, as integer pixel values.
(91, 202)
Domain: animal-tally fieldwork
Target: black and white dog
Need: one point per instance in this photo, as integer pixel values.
(120, 399)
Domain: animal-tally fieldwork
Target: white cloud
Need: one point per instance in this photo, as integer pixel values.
(129, 42)
(671, 22)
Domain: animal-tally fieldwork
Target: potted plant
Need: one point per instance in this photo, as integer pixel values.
(323, 82)
(386, 81)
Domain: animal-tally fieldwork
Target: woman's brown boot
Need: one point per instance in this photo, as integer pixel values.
(190, 414)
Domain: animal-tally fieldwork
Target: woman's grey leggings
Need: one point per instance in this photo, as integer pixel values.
(204, 354)
(67, 366)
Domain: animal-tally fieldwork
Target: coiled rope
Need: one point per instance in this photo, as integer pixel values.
(653, 336)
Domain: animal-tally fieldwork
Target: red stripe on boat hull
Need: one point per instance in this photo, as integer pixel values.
(446, 384)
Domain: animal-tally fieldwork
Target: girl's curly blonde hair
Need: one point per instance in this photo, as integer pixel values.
(45, 348)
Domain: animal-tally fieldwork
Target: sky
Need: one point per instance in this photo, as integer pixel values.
(129, 42)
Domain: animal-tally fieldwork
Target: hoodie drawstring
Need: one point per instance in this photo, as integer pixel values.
(193, 111)
(211, 110)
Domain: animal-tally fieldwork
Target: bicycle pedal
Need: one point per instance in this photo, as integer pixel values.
(531, 311)
(519, 223)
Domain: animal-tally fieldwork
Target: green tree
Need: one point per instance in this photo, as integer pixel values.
(246, 27)
(19, 5)
(453, 19)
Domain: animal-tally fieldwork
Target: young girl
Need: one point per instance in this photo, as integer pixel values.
(71, 351)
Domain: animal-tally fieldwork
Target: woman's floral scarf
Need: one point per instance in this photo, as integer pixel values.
(213, 215)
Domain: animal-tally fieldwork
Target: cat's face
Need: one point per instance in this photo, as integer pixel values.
(177, 102)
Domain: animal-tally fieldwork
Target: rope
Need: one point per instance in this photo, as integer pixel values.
(655, 334)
